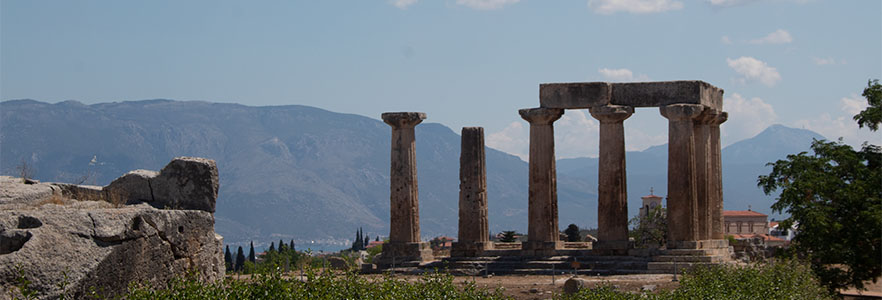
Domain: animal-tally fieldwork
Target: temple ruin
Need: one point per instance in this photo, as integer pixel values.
(694, 200)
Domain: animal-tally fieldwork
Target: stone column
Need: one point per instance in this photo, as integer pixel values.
(704, 190)
(404, 228)
(612, 190)
(718, 228)
(543, 226)
(474, 236)
(682, 200)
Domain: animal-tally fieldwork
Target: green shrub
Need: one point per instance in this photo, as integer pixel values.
(325, 286)
(776, 280)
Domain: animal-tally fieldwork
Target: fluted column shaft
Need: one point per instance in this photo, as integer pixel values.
(703, 172)
(404, 195)
(542, 211)
(612, 190)
(472, 188)
(718, 228)
(682, 200)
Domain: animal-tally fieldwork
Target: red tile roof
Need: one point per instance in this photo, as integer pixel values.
(763, 236)
(742, 213)
(772, 224)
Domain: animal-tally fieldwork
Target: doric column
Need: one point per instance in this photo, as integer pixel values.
(718, 229)
(404, 227)
(682, 200)
(703, 164)
(612, 190)
(473, 235)
(542, 227)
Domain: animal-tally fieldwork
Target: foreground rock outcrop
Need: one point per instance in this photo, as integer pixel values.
(144, 228)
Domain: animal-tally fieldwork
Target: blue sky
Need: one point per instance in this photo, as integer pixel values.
(801, 63)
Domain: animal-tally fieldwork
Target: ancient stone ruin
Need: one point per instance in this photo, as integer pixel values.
(145, 227)
(695, 199)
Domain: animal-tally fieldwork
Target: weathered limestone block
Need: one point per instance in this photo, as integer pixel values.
(574, 285)
(134, 186)
(542, 228)
(69, 246)
(187, 183)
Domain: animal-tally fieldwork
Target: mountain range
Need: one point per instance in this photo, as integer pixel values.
(303, 173)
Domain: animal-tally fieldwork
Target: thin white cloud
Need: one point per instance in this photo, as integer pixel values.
(485, 4)
(726, 3)
(513, 139)
(829, 61)
(607, 7)
(621, 75)
(853, 105)
(779, 36)
(747, 117)
(402, 4)
(726, 40)
(754, 70)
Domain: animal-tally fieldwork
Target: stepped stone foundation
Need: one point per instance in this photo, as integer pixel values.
(695, 199)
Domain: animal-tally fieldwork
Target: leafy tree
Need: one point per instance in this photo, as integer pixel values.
(834, 196)
(572, 233)
(240, 259)
(228, 259)
(251, 257)
(872, 116)
(650, 230)
(508, 237)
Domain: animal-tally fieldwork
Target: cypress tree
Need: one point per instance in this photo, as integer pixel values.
(292, 246)
(281, 245)
(378, 238)
(228, 259)
(251, 253)
(240, 259)
(272, 247)
(367, 241)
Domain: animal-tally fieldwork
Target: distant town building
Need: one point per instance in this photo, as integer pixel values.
(777, 231)
(748, 224)
(649, 202)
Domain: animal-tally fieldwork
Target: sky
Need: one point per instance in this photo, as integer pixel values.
(801, 63)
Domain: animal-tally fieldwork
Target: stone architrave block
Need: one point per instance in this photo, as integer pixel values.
(574, 95)
(663, 93)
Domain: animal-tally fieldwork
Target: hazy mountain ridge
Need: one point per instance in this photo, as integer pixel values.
(310, 174)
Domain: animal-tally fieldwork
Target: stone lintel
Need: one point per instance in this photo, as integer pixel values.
(541, 115)
(635, 94)
(662, 93)
(403, 119)
(574, 95)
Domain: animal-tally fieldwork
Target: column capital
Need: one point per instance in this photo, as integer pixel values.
(403, 119)
(720, 118)
(707, 117)
(541, 115)
(681, 111)
(611, 113)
